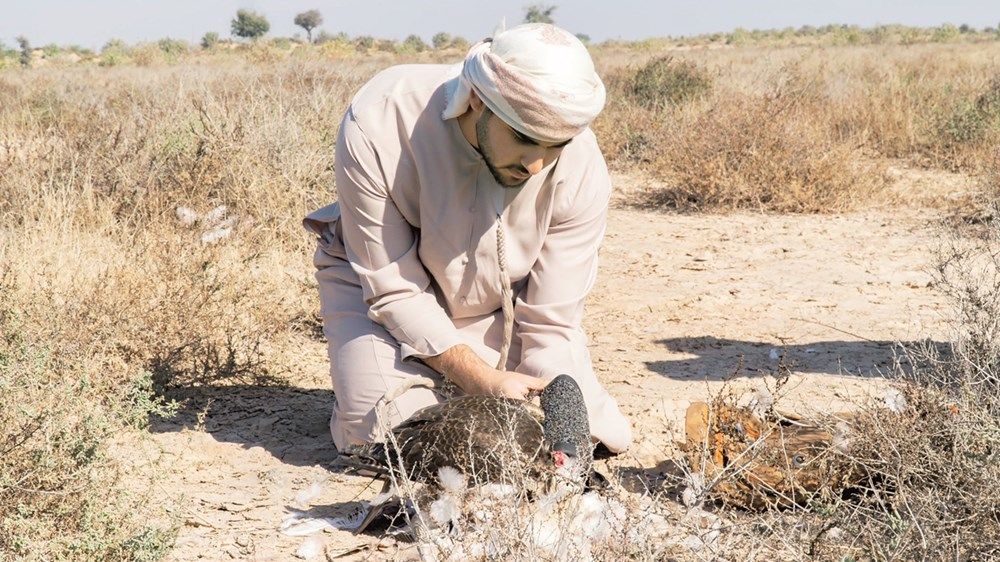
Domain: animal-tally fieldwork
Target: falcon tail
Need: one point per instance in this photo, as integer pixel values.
(369, 459)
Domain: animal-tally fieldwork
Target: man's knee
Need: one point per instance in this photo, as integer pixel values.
(367, 423)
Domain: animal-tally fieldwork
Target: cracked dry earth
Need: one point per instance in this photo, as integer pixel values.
(681, 302)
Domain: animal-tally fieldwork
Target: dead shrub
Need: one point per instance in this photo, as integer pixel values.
(766, 154)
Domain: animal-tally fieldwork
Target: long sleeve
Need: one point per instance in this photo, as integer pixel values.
(382, 249)
(549, 310)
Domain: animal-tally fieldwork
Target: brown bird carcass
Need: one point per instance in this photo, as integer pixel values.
(759, 462)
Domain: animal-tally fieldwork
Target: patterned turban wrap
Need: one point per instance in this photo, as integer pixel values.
(537, 77)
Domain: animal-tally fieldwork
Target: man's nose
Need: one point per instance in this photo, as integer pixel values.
(533, 163)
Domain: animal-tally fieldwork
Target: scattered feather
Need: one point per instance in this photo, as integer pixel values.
(306, 496)
(761, 403)
(452, 481)
(187, 216)
(310, 548)
(895, 401)
(214, 235)
(216, 214)
(841, 437)
(446, 511)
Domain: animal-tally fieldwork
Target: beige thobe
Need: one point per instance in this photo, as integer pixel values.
(407, 258)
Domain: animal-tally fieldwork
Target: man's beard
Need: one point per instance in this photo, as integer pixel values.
(482, 126)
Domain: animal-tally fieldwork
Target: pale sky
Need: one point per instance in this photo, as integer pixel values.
(91, 23)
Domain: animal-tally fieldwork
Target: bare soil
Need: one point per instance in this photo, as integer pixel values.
(683, 303)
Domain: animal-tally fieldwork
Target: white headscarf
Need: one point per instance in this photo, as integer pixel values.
(537, 77)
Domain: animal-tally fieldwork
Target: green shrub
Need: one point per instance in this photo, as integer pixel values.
(972, 120)
(115, 45)
(739, 36)
(209, 40)
(441, 40)
(173, 48)
(364, 43)
(59, 492)
(414, 44)
(51, 50)
(112, 58)
(946, 32)
(668, 81)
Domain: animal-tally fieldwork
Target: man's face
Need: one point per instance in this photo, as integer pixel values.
(511, 157)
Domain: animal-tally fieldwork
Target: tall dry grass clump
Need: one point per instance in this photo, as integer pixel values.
(60, 490)
(798, 129)
(934, 459)
(715, 147)
(150, 238)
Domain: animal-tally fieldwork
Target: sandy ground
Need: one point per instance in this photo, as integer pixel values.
(682, 302)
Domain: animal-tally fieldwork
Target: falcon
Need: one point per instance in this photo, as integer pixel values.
(489, 439)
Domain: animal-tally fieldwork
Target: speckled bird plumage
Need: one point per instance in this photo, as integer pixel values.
(488, 438)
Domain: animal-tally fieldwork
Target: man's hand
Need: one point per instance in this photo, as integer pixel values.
(463, 367)
(514, 385)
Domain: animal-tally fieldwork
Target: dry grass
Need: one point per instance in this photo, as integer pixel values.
(108, 293)
(797, 129)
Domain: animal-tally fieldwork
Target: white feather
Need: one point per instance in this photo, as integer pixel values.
(496, 491)
(447, 509)
(213, 236)
(187, 216)
(895, 401)
(215, 214)
(761, 403)
(310, 548)
(452, 480)
(308, 526)
(304, 497)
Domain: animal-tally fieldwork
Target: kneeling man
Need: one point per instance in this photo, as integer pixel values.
(462, 191)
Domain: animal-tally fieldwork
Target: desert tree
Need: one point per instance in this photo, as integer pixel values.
(441, 40)
(308, 21)
(539, 13)
(249, 24)
(25, 46)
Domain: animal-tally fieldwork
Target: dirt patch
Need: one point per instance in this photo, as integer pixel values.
(681, 303)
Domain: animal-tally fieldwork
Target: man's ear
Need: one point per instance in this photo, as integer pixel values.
(475, 102)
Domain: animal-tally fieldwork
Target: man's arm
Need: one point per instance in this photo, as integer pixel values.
(549, 309)
(463, 367)
(382, 249)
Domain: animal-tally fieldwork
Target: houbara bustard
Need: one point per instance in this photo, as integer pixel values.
(489, 439)
(486, 441)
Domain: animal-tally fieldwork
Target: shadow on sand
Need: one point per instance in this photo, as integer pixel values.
(290, 423)
(711, 358)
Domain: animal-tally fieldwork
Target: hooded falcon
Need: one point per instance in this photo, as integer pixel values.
(490, 439)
